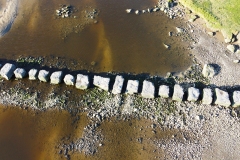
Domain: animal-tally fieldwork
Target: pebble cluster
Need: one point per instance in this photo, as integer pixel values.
(64, 11)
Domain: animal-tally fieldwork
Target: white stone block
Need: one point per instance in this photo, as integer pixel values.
(236, 98)
(177, 93)
(148, 89)
(7, 71)
(222, 98)
(69, 80)
(207, 96)
(118, 85)
(164, 91)
(132, 86)
(56, 77)
(101, 82)
(20, 73)
(82, 82)
(32, 74)
(43, 75)
(193, 94)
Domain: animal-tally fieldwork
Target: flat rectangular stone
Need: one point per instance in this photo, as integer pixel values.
(207, 96)
(101, 82)
(164, 91)
(56, 77)
(193, 94)
(32, 74)
(222, 98)
(118, 85)
(43, 75)
(148, 89)
(236, 98)
(177, 93)
(82, 82)
(7, 71)
(69, 80)
(132, 86)
(20, 73)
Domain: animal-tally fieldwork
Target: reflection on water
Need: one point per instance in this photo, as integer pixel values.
(118, 42)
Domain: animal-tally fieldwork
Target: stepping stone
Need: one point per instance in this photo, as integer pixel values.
(56, 77)
(193, 94)
(148, 89)
(118, 85)
(20, 73)
(69, 80)
(7, 71)
(177, 93)
(132, 86)
(207, 96)
(236, 98)
(101, 82)
(43, 75)
(32, 74)
(164, 91)
(222, 98)
(82, 82)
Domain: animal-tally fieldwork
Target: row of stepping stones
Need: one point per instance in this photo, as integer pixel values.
(148, 88)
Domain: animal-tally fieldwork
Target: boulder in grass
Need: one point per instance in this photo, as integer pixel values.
(118, 85)
(193, 94)
(43, 75)
(148, 90)
(69, 80)
(164, 91)
(132, 86)
(32, 74)
(7, 71)
(222, 98)
(207, 96)
(56, 77)
(178, 93)
(20, 73)
(82, 82)
(101, 82)
(236, 98)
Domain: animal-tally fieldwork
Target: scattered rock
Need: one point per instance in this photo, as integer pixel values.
(178, 93)
(238, 51)
(193, 18)
(56, 77)
(69, 80)
(82, 82)
(231, 48)
(64, 12)
(132, 86)
(207, 96)
(148, 89)
(156, 9)
(170, 34)
(43, 75)
(101, 82)
(166, 46)
(236, 61)
(20, 73)
(7, 71)
(32, 74)
(118, 84)
(128, 10)
(164, 91)
(179, 30)
(137, 12)
(236, 98)
(222, 98)
(209, 70)
(211, 33)
(193, 94)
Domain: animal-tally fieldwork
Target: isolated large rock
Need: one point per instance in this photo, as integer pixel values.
(236, 98)
(209, 70)
(207, 96)
(32, 74)
(7, 71)
(82, 82)
(56, 77)
(20, 73)
(43, 75)
(69, 80)
(148, 89)
(231, 48)
(118, 85)
(177, 93)
(222, 98)
(101, 82)
(164, 91)
(132, 86)
(193, 94)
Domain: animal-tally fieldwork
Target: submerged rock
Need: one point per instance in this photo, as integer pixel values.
(20, 73)
(7, 71)
(82, 82)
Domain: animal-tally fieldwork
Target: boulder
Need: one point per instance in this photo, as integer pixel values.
(209, 70)
(164, 91)
(82, 82)
(128, 10)
(69, 80)
(231, 48)
(177, 93)
(43, 75)
(156, 9)
(222, 98)
(179, 30)
(211, 33)
(207, 96)
(101, 82)
(236, 98)
(20, 73)
(56, 77)
(193, 94)
(132, 86)
(137, 12)
(32, 74)
(118, 85)
(7, 71)
(148, 89)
